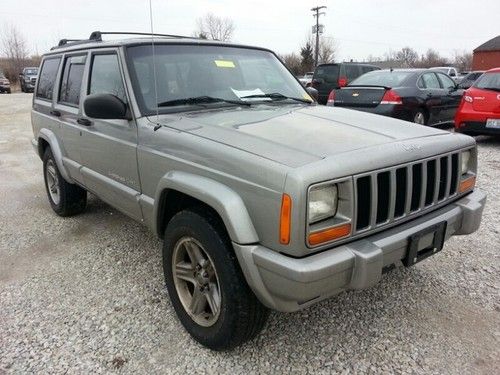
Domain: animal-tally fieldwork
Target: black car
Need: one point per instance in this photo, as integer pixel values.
(468, 80)
(424, 96)
(328, 77)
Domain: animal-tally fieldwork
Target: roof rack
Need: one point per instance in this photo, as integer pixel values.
(96, 36)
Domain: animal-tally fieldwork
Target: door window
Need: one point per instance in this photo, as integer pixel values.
(105, 77)
(72, 80)
(47, 78)
(430, 81)
(447, 82)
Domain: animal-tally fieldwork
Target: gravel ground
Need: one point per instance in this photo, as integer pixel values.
(85, 294)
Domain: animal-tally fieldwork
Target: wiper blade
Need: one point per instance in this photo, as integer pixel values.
(200, 100)
(277, 96)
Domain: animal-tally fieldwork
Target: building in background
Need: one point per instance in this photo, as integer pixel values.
(487, 55)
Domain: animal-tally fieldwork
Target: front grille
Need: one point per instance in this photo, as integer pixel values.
(391, 194)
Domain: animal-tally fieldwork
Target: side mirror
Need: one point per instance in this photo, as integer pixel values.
(105, 106)
(313, 92)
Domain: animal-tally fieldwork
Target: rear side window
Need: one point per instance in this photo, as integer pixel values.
(105, 77)
(430, 81)
(71, 82)
(47, 78)
(446, 81)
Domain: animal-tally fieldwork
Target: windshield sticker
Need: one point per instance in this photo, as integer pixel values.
(224, 63)
(242, 93)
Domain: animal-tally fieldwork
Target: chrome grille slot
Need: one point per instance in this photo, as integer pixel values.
(394, 193)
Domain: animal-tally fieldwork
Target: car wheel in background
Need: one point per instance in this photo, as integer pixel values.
(420, 117)
(205, 283)
(65, 199)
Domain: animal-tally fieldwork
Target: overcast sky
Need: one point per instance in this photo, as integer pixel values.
(359, 27)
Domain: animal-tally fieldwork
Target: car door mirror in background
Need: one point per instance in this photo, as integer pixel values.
(105, 106)
(313, 92)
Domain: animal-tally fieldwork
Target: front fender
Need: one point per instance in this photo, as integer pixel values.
(225, 201)
(51, 139)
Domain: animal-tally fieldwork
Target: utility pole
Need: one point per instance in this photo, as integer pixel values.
(317, 13)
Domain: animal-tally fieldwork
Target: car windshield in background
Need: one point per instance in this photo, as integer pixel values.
(32, 71)
(329, 73)
(381, 78)
(489, 81)
(190, 71)
(442, 70)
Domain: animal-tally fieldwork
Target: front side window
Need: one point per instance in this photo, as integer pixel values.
(190, 71)
(71, 82)
(47, 78)
(105, 77)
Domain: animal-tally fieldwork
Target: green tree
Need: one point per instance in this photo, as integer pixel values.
(307, 57)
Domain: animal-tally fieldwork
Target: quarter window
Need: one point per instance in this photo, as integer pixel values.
(47, 78)
(72, 80)
(105, 77)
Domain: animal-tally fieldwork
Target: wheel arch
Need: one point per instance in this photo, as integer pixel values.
(47, 138)
(179, 190)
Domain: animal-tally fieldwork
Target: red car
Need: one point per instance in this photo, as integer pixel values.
(479, 110)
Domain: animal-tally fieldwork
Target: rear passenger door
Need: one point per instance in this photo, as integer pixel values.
(431, 94)
(109, 147)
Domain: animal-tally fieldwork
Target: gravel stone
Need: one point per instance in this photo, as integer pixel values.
(86, 294)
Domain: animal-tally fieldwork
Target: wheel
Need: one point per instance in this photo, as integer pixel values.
(206, 286)
(420, 117)
(65, 199)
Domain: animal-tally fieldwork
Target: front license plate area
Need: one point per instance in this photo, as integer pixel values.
(419, 247)
(493, 123)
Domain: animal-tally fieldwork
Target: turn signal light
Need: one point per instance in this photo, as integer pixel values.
(329, 234)
(467, 184)
(285, 219)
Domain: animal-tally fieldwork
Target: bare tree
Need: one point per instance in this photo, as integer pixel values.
(406, 57)
(463, 61)
(212, 27)
(432, 58)
(327, 50)
(16, 52)
(293, 62)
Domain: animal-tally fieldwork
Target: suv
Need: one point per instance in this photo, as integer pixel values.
(27, 79)
(264, 199)
(328, 77)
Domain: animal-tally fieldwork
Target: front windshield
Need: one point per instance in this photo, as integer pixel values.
(442, 70)
(489, 81)
(190, 71)
(32, 71)
(381, 78)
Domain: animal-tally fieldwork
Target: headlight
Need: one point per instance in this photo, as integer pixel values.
(465, 162)
(322, 202)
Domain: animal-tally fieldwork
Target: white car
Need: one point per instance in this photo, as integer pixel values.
(307, 78)
(450, 70)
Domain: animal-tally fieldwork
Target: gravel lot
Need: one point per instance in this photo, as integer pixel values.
(85, 294)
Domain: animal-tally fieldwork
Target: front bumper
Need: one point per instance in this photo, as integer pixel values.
(290, 284)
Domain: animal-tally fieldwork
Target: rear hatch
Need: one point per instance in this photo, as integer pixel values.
(326, 79)
(486, 93)
(353, 96)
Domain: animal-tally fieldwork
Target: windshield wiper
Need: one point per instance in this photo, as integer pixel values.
(200, 100)
(277, 96)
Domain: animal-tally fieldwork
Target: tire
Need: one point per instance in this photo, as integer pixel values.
(65, 199)
(239, 316)
(420, 117)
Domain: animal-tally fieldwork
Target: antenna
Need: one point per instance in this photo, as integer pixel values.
(157, 126)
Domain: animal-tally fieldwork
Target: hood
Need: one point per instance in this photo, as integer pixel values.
(296, 135)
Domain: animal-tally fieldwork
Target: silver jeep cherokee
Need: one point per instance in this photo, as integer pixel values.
(265, 200)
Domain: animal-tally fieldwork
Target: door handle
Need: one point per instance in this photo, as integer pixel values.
(55, 113)
(84, 122)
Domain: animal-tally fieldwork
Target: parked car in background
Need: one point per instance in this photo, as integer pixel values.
(306, 78)
(328, 77)
(27, 79)
(479, 111)
(450, 70)
(427, 97)
(4, 84)
(469, 79)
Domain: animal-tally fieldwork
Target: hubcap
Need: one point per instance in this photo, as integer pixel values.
(52, 181)
(419, 118)
(196, 281)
